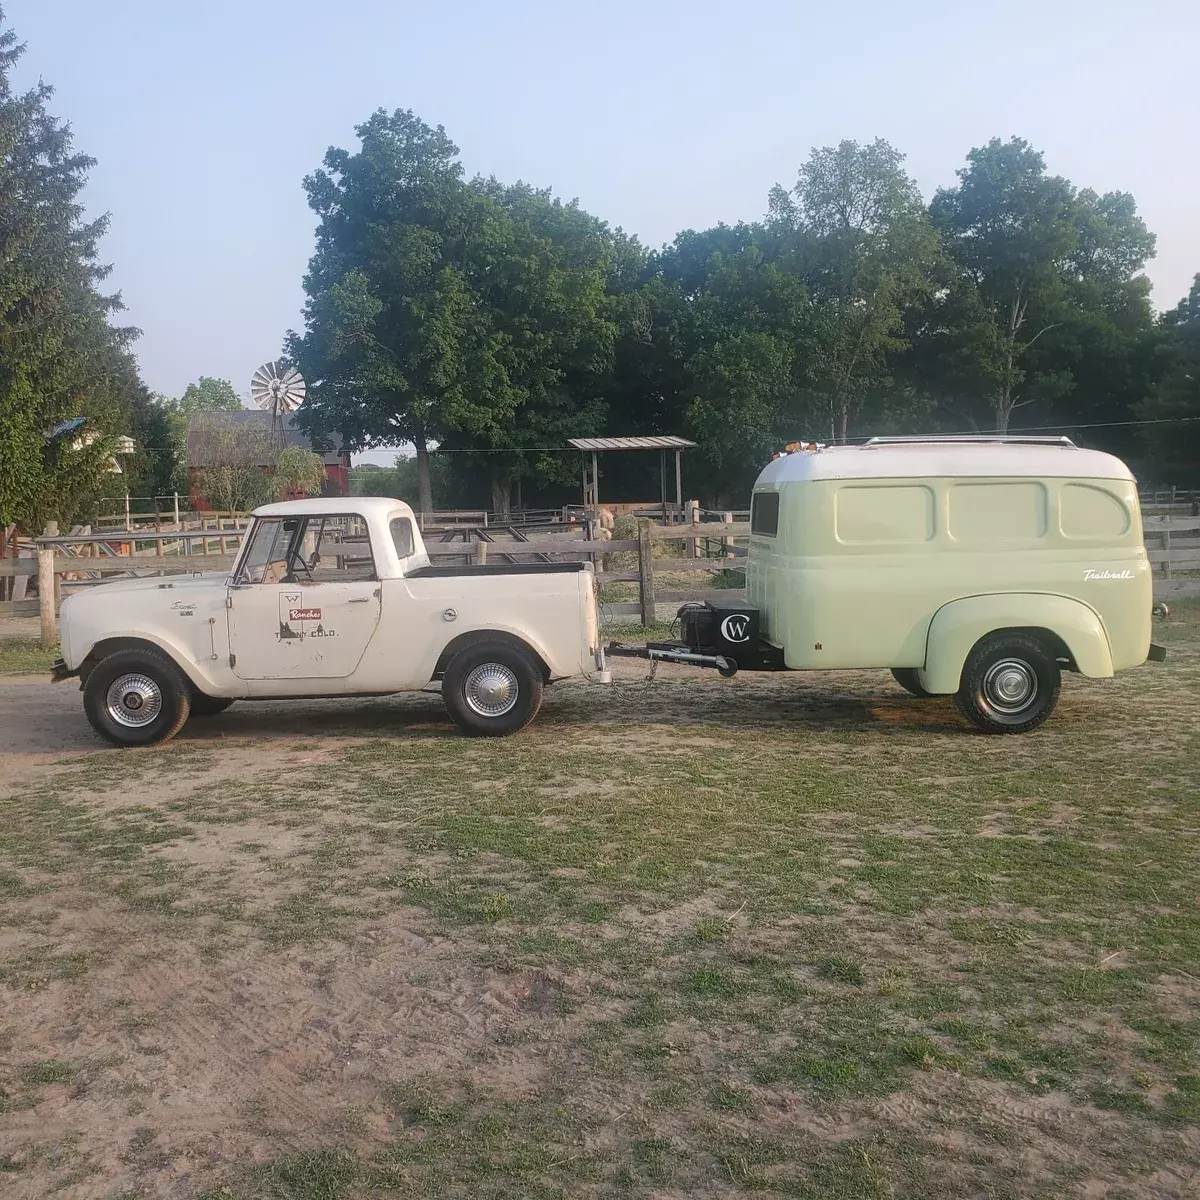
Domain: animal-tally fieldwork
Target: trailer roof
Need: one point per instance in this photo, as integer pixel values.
(917, 459)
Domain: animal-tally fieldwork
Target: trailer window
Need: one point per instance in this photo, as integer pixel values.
(994, 512)
(1091, 512)
(873, 515)
(764, 513)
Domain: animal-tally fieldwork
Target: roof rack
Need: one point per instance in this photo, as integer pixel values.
(1020, 439)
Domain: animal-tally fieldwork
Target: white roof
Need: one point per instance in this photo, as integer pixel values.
(365, 506)
(631, 443)
(909, 460)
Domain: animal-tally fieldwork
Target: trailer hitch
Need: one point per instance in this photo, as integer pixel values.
(726, 667)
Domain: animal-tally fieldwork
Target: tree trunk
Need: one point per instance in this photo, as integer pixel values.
(501, 494)
(843, 423)
(517, 503)
(423, 484)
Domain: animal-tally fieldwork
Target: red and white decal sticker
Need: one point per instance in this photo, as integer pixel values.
(304, 614)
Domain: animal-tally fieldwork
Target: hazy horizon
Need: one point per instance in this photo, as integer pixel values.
(657, 118)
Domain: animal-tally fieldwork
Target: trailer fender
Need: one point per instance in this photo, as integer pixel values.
(1070, 626)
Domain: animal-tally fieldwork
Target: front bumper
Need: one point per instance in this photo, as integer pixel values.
(60, 672)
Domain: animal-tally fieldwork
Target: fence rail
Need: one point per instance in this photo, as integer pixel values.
(84, 559)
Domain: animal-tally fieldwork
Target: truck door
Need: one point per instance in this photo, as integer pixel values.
(306, 602)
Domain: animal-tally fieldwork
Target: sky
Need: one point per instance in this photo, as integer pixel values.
(658, 116)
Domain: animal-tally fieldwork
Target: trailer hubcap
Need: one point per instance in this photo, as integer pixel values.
(1010, 685)
(491, 690)
(134, 700)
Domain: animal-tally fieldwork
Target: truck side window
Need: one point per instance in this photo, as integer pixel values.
(402, 536)
(336, 549)
(764, 513)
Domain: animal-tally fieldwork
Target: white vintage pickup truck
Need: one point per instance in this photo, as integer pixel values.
(330, 597)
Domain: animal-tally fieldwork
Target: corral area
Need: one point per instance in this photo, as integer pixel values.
(794, 935)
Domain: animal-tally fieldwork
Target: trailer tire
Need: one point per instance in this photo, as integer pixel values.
(203, 705)
(492, 689)
(1010, 683)
(909, 679)
(136, 698)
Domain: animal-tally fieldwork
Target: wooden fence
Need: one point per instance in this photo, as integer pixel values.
(84, 559)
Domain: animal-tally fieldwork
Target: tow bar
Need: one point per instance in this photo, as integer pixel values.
(726, 667)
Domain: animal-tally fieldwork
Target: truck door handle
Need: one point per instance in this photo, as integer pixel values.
(360, 600)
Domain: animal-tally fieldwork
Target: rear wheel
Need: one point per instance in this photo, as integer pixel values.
(136, 698)
(492, 689)
(208, 706)
(1010, 684)
(909, 679)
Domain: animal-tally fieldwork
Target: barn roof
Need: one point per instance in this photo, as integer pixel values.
(292, 435)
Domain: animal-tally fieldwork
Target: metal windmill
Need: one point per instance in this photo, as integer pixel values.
(278, 388)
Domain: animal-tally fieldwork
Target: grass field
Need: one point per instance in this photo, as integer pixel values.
(798, 935)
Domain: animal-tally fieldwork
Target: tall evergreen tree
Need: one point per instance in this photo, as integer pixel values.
(60, 358)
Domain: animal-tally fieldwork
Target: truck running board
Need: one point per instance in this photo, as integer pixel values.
(726, 667)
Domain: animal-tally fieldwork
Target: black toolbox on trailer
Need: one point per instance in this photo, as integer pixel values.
(713, 633)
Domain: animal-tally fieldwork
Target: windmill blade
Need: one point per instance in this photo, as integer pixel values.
(278, 387)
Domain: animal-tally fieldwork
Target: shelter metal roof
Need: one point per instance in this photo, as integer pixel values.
(631, 443)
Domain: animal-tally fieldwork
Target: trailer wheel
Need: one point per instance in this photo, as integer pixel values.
(492, 689)
(1010, 684)
(910, 680)
(136, 698)
(208, 706)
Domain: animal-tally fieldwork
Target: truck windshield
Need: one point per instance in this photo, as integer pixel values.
(267, 554)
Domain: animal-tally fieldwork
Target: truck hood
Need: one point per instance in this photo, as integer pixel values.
(175, 610)
(166, 584)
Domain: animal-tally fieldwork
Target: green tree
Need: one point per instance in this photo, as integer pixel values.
(207, 395)
(393, 333)
(298, 470)
(1173, 405)
(549, 299)
(1043, 283)
(855, 229)
(60, 358)
(234, 460)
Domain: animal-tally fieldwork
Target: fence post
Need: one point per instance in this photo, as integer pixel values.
(1167, 545)
(46, 581)
(646, 570)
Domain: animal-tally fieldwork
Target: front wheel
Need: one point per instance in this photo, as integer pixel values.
(492, 689)
(1010, 684)
(136, 698)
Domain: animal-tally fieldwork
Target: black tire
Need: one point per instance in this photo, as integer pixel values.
(468, 689)
(153, 681)
(908, 678)
(208, 706)
(1010, 683)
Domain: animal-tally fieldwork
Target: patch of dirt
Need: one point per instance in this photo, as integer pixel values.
(219, 1059)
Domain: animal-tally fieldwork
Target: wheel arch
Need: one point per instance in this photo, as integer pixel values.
(107, 646)
(472, 637)
(1070, 630)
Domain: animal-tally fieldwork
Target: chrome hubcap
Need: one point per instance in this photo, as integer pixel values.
(1010, 685)
(134, 701)
(491, 690)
